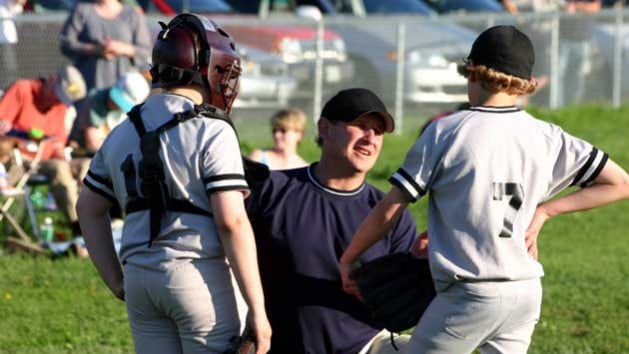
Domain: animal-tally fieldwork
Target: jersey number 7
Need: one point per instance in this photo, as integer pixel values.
(515, 195)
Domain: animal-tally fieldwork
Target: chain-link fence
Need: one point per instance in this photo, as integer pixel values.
(410, 61)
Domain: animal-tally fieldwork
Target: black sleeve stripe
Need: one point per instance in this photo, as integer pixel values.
(227, 188)
(100, 179)
(585, 167)
(596, 172)
(223, 177)
(411, 181)
(100, 191)
(400, 186)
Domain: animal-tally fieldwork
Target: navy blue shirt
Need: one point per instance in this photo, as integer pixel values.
(302, 229)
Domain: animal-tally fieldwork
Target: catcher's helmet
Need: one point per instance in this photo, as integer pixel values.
(193, 49)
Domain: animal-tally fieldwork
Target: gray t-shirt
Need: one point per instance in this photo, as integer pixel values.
(200, 156)
(487, 169)
(84, 26)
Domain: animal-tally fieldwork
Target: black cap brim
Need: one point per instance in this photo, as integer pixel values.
(389, 123)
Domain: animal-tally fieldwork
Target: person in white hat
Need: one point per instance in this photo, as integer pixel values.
(104, 109)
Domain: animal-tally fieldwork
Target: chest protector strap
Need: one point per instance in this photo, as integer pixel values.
(153, 185)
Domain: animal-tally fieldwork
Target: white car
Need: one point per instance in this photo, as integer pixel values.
(265, 81)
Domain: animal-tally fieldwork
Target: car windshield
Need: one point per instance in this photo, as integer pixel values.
(467, 5)
(397, 7)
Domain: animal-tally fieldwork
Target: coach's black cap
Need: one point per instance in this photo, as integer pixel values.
(504, 49)
(348, 105)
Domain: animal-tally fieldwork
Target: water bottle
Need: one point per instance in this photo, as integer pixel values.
(47, 229)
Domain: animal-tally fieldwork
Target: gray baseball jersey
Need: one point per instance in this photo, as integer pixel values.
(200, 156)
(487, 169)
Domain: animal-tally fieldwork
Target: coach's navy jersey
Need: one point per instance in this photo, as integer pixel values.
(487, 169)
(302, 229)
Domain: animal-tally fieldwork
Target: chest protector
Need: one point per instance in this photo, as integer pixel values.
(157, 199)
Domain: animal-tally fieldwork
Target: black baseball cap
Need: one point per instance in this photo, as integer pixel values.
(505, 49)
(351, 104)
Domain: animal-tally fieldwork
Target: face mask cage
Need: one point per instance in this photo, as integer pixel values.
(228, 85)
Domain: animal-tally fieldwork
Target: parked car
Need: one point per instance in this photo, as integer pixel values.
(265, 81)
(293, 44)
(296, 46)
(433, 49)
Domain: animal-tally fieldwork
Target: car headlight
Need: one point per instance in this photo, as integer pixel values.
(415, 57)
(291, 51)
(437, 61)
(432, 60)
(250, 68)
(339, 47)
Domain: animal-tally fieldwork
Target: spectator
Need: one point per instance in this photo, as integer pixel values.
(575, 49)
(104, 109)
(105, 39)
(44, 107)
(304, 218)
(288, 129)
(8, 39)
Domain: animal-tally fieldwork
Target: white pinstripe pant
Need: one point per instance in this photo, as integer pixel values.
(189, 309)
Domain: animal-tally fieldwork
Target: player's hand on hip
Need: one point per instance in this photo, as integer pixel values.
(419, 248)
(349, 285)
(532, 232)
(262, 330)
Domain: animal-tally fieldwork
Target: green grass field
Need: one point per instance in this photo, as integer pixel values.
(62, 306)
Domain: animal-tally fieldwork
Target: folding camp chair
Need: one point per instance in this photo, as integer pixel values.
(22, 190)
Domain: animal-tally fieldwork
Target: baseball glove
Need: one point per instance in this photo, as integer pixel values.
(244, 344)
(396, 288)
(255, 172)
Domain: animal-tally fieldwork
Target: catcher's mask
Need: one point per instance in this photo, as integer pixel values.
(193, 49)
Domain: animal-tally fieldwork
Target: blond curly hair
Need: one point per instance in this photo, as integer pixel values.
(496, 81)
